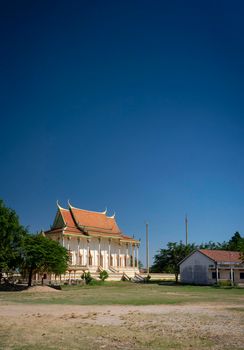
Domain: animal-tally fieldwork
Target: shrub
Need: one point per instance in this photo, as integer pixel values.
(224, 283)
(103, 275)
(86, 276)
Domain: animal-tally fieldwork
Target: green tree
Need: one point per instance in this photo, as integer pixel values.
(41, 254)
(167, 260)
(11, 236)
(236, 243)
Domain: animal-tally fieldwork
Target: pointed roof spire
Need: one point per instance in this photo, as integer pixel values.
(112, 217)
(59, 206)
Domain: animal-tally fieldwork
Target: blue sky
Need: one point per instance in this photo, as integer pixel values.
(132, 105)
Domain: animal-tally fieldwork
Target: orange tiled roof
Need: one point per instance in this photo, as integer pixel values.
(80, 222)
(96, 220)
(67, 217)
(222, 255)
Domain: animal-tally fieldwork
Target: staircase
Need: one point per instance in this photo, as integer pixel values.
(116, 275)
(113, 270)
(138, 278)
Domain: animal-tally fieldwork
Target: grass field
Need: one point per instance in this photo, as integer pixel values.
(123, 315)
(126, 293)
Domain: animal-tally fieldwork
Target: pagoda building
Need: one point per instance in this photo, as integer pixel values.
(94, 242)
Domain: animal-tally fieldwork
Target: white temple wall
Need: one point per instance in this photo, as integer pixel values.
(120, 252)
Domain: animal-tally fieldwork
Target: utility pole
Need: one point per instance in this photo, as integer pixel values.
(186, 222)
(147, 248)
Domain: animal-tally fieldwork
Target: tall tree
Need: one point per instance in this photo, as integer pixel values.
(236, 243)
(41, 254)
(11, 235)
(167, 260)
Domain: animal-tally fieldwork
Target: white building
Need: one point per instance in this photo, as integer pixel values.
(206, 266)
(94, 242)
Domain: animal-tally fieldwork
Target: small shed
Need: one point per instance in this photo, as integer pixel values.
(206, 267)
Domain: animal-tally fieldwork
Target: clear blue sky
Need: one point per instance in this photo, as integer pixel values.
(132, 105)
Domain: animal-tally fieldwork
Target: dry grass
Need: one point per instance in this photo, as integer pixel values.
(123, 293)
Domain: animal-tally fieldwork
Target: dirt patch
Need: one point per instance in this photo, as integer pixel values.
(156, 327)
(40, 289)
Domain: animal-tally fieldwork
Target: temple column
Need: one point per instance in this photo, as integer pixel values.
(84, 254)
(78, 252)
(99, 251)
(137, 256)
(119, 259)
(133, 256)
(126, 257)
(68, 248)
(88, 252)
(109, 252)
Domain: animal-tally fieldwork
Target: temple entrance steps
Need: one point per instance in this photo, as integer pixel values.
(112, 269)
(92, 269)
(128, 274)
(138, 278)
(95, 275)
(112, 276)
(115, 275)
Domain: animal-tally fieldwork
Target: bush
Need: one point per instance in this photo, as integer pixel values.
(224, 283)
(103, 275)
(86, 276)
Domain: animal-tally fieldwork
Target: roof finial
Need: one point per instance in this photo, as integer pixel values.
(113, 216)
(69, 204)
(58, 204)
(105, 211)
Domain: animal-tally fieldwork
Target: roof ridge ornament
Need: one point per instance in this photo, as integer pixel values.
(90, 211)
(105, 211)
(58, 205)
(69, 204)
(112, 217)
